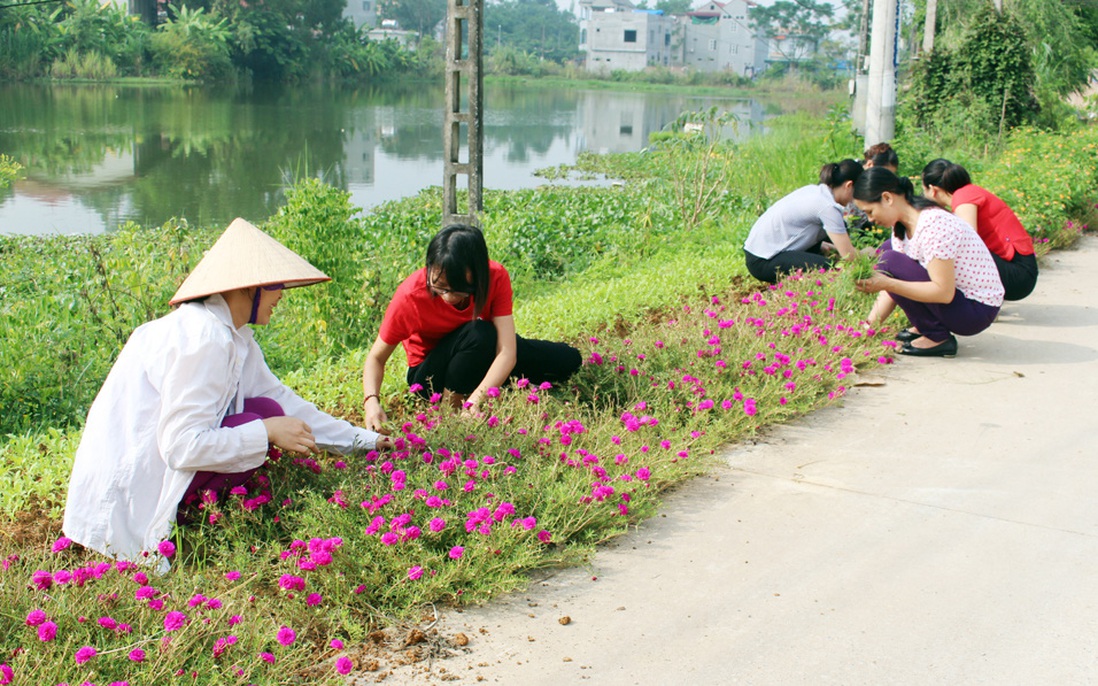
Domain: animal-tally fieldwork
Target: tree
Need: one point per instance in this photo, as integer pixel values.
(1061, 37)
(794, 28)
(531, 26)
(414, 15)
(674, 6)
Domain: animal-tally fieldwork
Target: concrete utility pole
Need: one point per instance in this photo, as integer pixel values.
(928, 27)
(880, 116)
(861, 77)
(464, 80)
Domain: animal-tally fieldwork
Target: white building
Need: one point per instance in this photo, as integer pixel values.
(614, 35)
(361, 12)
(718, 36)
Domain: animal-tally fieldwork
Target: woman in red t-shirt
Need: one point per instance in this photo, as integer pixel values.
(1011, 246)
(453, 317)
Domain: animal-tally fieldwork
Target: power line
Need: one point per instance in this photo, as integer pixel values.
(28, 4)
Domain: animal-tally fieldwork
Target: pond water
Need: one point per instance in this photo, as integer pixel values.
(99, 155)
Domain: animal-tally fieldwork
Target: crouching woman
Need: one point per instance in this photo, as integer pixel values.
(937, 269)
(191, 406)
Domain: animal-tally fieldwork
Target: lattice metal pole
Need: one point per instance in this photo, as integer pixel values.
(464, 28)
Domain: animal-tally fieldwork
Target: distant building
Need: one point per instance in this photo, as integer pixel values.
(718, 36)
(361, 12)
(404, 38)
(614, 35)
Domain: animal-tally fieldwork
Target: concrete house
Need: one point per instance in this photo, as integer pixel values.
(718, 36)
(615, 35)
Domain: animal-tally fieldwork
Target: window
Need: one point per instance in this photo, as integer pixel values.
(366, 6)
(583, 36)
(733, 49)
(630, 36)
(712, 43)
(667, 39)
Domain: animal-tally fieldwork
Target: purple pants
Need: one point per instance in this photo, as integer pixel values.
(255, 409)
(936, 321)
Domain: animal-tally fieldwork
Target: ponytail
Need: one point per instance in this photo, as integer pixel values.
(835, 174)
(877, 180)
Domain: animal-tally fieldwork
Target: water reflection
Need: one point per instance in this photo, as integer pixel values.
(97, 156)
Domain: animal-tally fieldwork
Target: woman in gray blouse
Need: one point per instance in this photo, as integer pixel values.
(799, 230)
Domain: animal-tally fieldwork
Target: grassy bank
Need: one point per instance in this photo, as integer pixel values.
(683, 355)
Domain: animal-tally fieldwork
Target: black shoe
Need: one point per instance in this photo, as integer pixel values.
(947, 348)
(907, 335)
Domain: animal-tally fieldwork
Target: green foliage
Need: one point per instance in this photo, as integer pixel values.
(421, 16)
(88, 27)
(192, 45)
(799, 26)
(10, 171)
(510, 61)
(28, 41)
(92, 66)
(69, 304)
(317, 223)
(981, 88)
(531, 27)
(1050, 181)
(698, 161)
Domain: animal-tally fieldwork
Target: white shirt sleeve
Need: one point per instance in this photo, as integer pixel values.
(197, 383)
(334, 435)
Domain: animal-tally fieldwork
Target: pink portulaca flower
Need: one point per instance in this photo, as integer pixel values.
(84, 654)
(35, 617)
(7, 674)
(174, 621)
(456, 552)
(286, 636)
(47, 632)
(166, 548)
(344, 665)
(415, 572)
(61, 544)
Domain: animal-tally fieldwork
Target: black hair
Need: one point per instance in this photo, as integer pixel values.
(835, 174)
(460, 252)
(945, 175)
(882, 155)
(877, 180)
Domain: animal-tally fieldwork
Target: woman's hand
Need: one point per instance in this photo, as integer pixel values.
(874, 284)
(290, 434)
(383, 443)
(375, 415)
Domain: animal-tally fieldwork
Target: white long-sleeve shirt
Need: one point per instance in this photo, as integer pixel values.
(157, 421)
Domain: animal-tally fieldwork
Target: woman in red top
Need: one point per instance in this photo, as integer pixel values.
(1011, 246)
(454, 319)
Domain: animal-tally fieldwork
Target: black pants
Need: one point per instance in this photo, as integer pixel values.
(785, 263)
(460, 360)
(1019, 275)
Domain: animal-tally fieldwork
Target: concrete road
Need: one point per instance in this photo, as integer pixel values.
(940, 527)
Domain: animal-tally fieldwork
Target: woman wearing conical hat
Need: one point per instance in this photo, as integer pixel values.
(190, 405)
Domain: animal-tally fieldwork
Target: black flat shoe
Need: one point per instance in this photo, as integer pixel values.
(947, 348)
(907, 335)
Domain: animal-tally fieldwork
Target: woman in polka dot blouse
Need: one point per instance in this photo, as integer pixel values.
(936, 268)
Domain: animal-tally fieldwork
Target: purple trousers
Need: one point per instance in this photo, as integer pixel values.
(936, 321)
(255, 409)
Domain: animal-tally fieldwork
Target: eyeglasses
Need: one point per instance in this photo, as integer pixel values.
(446, 291)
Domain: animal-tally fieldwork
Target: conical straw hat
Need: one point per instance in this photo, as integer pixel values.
(244, 257)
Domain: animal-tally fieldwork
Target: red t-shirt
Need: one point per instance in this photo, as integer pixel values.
(419, 320)
(996, 223)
